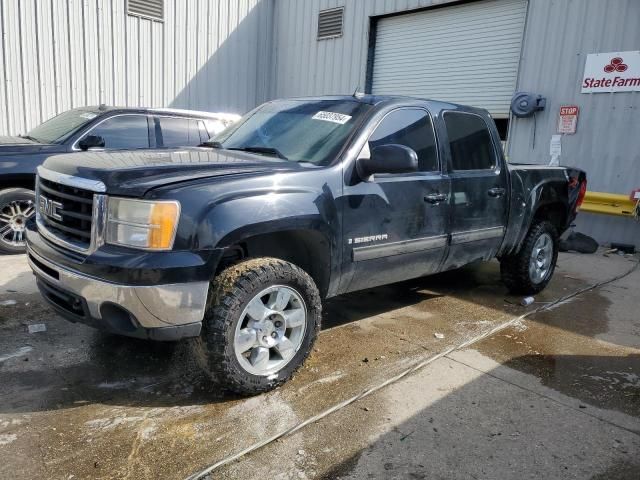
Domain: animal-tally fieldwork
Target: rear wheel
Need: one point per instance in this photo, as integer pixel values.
(17, 206)
(263, 318)
(530, 270)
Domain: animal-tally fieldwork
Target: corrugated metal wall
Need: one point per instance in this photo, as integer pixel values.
(559, 34)
(60, 54)
(306, 66)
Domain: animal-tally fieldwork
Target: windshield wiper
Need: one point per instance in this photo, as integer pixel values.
(258, 149)
(29, 137)
(211, 144)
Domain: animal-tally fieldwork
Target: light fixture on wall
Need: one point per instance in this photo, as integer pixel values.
(526, 104)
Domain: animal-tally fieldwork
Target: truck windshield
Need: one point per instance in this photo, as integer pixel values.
(58, 128)
(296, 130)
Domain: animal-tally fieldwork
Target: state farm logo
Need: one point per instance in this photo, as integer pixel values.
(611, 72)
(616, 65)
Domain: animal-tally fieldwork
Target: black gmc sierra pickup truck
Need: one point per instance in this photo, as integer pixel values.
(237, 242)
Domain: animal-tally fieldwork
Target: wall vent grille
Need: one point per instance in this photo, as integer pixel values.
(153, 9)
(330, 23)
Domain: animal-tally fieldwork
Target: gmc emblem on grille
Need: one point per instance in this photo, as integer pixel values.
(50, 208)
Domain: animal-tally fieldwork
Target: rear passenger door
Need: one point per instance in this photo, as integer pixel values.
(176, 132)
(478, 189)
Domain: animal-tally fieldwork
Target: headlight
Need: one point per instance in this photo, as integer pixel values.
(142, 224)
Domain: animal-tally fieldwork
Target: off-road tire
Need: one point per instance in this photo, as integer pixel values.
(230, 292)
(514, 269)
(7, 196)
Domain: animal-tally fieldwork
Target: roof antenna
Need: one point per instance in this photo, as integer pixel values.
(357, 93)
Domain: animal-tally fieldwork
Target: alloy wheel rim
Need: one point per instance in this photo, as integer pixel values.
(13, 219)
(541, 258)
(271, 330)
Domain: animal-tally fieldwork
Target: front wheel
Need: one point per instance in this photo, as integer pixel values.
(262, 319)
(17, 206)
(530, 270)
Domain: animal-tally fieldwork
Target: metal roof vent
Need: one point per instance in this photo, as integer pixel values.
(152, 9)
(330, 23)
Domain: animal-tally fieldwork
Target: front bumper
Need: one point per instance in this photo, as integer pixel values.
(158, 312)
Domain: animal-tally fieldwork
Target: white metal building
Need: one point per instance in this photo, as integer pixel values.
(60, 54)
(235, 54)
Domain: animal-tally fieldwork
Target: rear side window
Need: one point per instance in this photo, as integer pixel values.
(123, 132)
(179, 132)
(412, 128)
(470, 142)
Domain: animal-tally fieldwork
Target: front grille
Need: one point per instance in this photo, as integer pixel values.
(70, 218)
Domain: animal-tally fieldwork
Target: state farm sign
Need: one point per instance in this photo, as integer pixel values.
(612, 72)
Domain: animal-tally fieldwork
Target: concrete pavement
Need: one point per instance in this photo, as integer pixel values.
(556, 396)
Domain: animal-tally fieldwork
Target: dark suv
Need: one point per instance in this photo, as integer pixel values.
(99, 127)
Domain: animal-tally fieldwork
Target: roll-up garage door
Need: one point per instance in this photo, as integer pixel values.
(465, 54)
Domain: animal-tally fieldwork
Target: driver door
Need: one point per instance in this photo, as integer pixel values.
(395, 226)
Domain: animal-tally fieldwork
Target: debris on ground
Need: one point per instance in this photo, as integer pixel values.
(6, 303)
(526, 301)
(37, 327)
(578, 242)
(18, 353)
(624, 247)
(439, 336)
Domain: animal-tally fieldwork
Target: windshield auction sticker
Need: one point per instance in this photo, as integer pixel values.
(333, 117)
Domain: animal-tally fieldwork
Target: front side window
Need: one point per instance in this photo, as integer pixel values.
(311, 131)
(179, 132)
(469, 141)
(58, 128)
(127, 132)
(412, 128)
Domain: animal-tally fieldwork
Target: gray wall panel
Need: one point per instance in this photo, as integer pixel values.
(59, 54)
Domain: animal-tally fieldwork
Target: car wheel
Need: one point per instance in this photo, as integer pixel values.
(17, 206)
(260, 325)
(530, 270)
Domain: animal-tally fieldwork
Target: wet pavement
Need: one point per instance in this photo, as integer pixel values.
(555, 395)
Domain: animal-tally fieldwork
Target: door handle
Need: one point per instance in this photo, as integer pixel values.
(435, 198)
(496, 192)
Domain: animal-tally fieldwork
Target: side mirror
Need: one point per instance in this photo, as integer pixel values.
(392, 158)
(91, 141)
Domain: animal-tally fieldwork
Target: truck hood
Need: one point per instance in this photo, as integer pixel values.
(134, 173)
(19, 145)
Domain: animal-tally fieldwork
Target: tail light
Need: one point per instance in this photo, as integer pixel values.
(581, 193)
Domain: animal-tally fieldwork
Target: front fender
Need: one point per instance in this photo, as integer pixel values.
(228, 221)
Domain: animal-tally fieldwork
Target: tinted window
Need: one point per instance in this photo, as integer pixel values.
(124, 132)
(470, 142)
(411, 128)
(179, 132)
